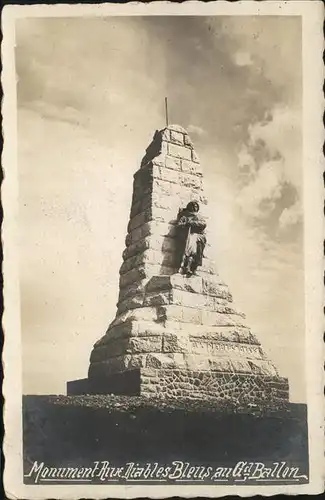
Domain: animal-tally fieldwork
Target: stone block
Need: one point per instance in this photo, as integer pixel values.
(158, 283)
(135, 208)
(149, 256)
(164, 147)
(126, 382)
(177, 128)
(165, 243)
(212, 286)
(149, 328)
(165, 174)
(191, 315)
(218, 301)
(155, 212)
(114, 348)
(189, 191)
(168, 270)
(262, 367)
(173, 342)
(132, 289)
(177, 137)
(187, 141)
(237, 366)
(214, 348)
(146, 270)
(142, 180)
(179, 359)
(121, 348)
(157, 298)
(182, 152)
(163, 229)
(130, 264)
(214, 305)
(138, 220)
(160, 360)
(220, 365)
(130, 303)
(165, 134)
(189, 299)
(99, 353)
(78, 387)
(192, 284)
(173, 163)
(136, 248)
(134, 236)
(190, 167)
(170, 260)
(195, 157)
(219, 319)
(229, 334)
(169, 244)
(179, 313)
(135, 361)
(145, 203)
(144, 344)
(153, 269)
(140, 193)
(142, 313)
(154, 242)
(164, 188)
(190, 180)
(133, 275)
(149, 372)
(124, 330)
(177, 281)
(158, 160)
(166, 215)
(165, 203)
(195, 362)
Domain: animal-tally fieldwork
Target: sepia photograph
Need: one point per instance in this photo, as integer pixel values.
(165, 293)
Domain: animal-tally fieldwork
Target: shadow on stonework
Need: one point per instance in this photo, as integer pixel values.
(172, 249)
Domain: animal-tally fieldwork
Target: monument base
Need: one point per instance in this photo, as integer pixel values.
(232, 388)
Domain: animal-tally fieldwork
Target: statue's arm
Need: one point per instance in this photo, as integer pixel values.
(198, 224)
(183, 221)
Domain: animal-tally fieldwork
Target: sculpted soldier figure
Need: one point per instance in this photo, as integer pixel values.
(192, 238)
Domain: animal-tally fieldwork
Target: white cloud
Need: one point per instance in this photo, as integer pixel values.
(270, 159)
(243, 58)
(282, 134)
(266, 187)
(290, 216)
(196, 130)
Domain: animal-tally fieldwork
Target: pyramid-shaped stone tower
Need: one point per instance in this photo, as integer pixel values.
(174, 335)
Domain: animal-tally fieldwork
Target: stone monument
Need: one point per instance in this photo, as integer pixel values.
(177, 332)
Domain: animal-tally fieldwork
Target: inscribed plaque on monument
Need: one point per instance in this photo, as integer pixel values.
(162, 242)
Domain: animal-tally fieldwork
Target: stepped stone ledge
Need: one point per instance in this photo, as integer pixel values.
(206, 283)
(143, 328)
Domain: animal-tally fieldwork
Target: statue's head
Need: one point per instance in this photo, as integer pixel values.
(193, 206)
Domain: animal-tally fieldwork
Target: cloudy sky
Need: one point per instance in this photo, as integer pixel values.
(90, 96)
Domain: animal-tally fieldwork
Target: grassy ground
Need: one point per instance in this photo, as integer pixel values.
(62, 430)
(138, 403)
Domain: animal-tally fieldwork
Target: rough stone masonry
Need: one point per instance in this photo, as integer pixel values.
(173, 335)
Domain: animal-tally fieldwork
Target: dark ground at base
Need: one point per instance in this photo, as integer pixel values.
(62, 430)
